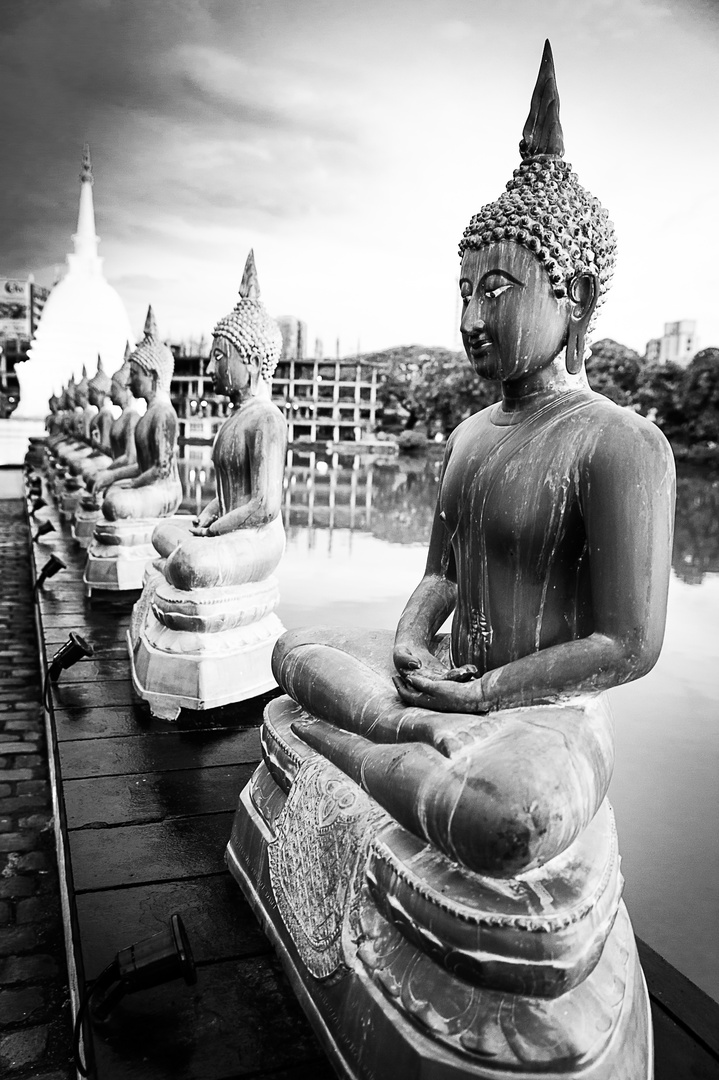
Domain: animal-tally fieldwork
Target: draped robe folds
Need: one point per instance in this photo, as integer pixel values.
(505, 792)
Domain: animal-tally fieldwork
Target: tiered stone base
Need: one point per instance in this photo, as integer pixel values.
(84, 522)
(410, 966)
(119, 555)
(203, 648)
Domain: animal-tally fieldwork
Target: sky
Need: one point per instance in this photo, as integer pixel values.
(349, 142)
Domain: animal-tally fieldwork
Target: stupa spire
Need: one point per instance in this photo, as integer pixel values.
(85, 239)
(543, 131)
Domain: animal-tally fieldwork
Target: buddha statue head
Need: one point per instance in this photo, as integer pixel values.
(70, 399)
(99, 385)
(120, 382)
(246, 344)
(537, 262)
(151, 364)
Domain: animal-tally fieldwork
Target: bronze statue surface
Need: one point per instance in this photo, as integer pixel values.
(204, 629)
(485, 755)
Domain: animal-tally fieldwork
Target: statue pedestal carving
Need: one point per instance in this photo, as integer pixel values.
(202, 648)
(119, 554)
(409, 964)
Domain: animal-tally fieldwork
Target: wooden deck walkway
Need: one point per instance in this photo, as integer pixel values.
(144, 813)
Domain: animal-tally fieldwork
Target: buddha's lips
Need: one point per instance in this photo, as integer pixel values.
(477, 346)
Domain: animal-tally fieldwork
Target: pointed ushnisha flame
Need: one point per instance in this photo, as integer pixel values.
(250, 284)
(150, 324)
(542, 133)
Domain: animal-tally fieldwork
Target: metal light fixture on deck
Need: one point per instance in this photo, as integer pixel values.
(52, 566)
(158, 959)
(43, 530)
(74, 649)
(37, 505)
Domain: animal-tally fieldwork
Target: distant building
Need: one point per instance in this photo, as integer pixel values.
(21, 304)
(294, 337)
(678, 343)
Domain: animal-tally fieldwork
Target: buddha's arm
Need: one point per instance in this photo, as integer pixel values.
(111, 476)
(267, 464)
(431, 603)
(627, 491)
(163, 440)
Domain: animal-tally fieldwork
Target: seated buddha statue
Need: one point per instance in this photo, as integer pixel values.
(119, 444)
(485, 754)
(211, 606)
(97, 419)
(149, 486)
(145, 489)
(121, 437)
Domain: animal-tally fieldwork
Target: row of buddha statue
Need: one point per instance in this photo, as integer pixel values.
(427, 840)
(204, 628)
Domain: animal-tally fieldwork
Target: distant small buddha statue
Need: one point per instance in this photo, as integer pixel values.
(141, 491)
(205, 627)
(99, 396)
(120, 441)
(84, 466)
(467, 773)
(122, 430)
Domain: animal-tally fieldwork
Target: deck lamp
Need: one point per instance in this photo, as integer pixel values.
(52, 566)
(158, 959)
(46, 527)
(38, 505)
(74, 649)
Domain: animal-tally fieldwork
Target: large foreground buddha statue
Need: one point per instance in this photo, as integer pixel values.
(204, 629)
(140, 492)
(428, 839)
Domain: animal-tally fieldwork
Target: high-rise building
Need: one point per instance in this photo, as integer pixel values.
(678, 343)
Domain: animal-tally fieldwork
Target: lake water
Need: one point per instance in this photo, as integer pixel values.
(357, 532)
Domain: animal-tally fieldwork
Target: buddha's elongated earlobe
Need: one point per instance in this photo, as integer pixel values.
(583, 293)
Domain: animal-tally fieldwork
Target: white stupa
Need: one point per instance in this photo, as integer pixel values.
(83, 318)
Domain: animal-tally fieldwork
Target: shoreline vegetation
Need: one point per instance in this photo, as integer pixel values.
(425, 392)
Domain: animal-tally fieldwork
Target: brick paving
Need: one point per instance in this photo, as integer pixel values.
(35, 1013)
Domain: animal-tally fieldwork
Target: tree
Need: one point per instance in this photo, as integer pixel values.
(614, 370)
(450, 391)
(659, 398)
(699, 397)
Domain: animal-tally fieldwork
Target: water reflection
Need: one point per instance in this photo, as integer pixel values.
(394, 499)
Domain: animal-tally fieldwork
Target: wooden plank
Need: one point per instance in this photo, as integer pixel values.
(681, 999)
(240, 1019)
(89, 721)
(97, 695)
(153, 797)
(133, 854)
(220, 923)
(90, 618)
(99, 669)
(159, 753)
(677, 1054)
(102, 722)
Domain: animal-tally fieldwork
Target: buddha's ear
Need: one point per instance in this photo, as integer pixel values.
(583, 293)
